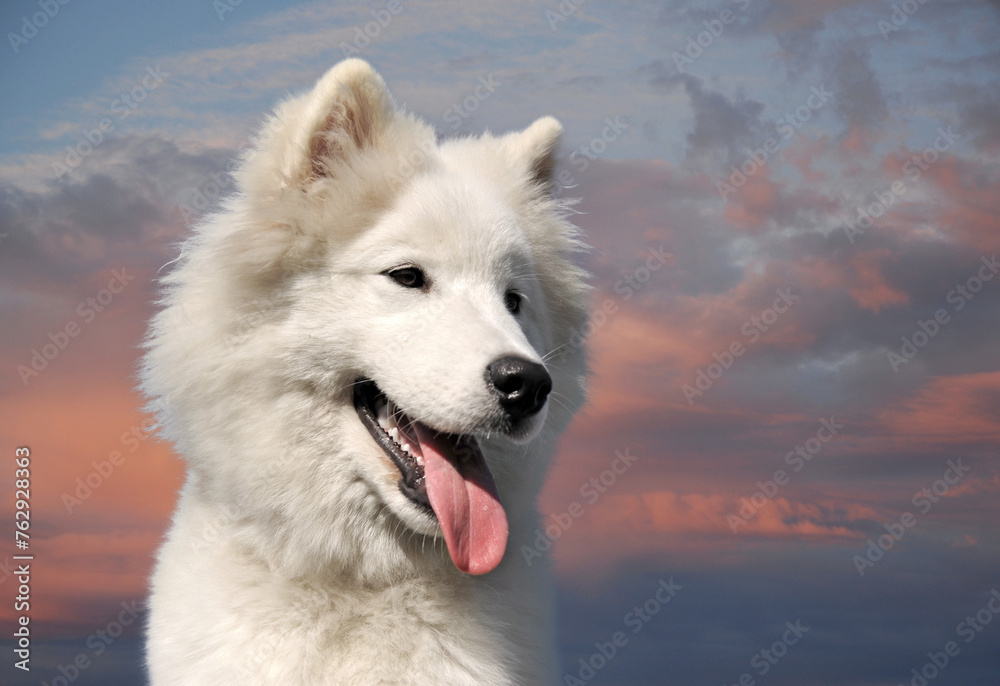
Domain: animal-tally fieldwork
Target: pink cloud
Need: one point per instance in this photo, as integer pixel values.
(101, 494)
(972, 203)
(951, 410)
(862, 278)
(754, 203)
(858, 141)
(665, 523)
(803, 153)
(866, 283)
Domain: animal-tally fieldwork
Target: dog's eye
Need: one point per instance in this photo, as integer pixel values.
(512, 300)
(409, 277)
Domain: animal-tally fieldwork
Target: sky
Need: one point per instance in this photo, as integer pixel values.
(795, 215)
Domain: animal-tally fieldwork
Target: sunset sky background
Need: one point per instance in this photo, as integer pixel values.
(832, 104)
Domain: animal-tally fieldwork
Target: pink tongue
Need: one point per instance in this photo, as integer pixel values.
(465, 500)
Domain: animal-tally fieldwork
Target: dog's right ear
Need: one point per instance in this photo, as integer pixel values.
(347, 111)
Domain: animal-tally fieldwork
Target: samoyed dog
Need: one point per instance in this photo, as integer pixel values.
(365, 359)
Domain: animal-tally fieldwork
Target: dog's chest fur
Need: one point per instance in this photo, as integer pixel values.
(223, 619)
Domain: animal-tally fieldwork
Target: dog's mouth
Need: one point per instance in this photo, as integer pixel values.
(445, 475)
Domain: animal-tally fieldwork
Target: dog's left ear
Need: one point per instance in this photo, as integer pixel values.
(535, 148)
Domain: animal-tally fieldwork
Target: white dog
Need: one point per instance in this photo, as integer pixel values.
(365, 360)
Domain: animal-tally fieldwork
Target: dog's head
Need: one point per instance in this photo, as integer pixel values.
(370, 332)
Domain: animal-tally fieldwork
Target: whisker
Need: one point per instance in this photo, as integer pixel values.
(555, 366)
(554, 395)
(553, 351)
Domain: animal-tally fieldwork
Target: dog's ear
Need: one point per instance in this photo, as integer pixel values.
(346, 112)
(535, 150)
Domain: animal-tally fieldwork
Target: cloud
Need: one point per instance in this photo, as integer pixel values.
(862, 277)
(121, 200)
(102, 487)
(969, 207)
(756, 203)
(858, 95)
(653, 190)
(659, 525)
(720, 123)
(789, 16)
(948, 410)
(978, 117)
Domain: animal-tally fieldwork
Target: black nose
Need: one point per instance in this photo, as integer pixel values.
(521, 385)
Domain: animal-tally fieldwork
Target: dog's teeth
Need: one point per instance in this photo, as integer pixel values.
(405, 447)
(393, 433)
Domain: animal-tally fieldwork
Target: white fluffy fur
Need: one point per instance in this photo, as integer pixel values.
(293, 557)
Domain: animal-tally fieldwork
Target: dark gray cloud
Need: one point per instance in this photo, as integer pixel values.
(858, 96)
(908, 604)
(720, 122)
(666, 212)
(981, 117)
(121, 209)
(841, 358)
(124, 198)
(801, 47)
(722, 126)
(584, 81)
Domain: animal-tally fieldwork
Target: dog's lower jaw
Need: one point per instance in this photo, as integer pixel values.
(220, 615)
